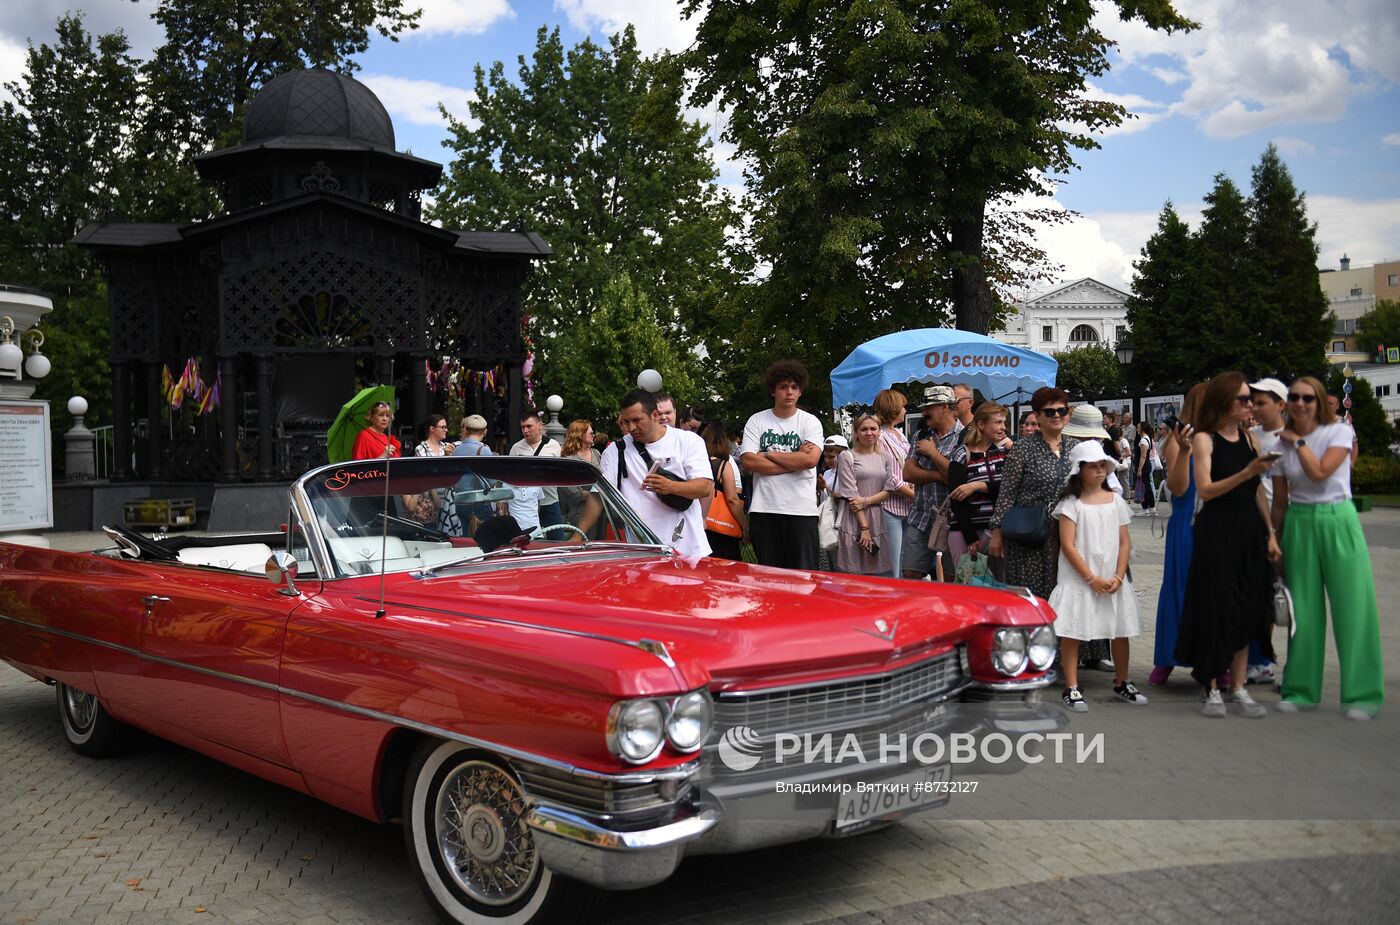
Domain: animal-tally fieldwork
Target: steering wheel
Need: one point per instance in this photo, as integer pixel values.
(539, 532)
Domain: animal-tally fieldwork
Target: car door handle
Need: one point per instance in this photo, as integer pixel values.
(150, 600)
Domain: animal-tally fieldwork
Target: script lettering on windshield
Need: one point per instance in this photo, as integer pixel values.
(342, 478)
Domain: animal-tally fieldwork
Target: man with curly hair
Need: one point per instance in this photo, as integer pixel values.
(780, 452)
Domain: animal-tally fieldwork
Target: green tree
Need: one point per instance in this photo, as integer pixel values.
(1163, 306)
(1230, 335)
(1294, 320)
(620, 182)
(1091, 371)
(1368, 418)
(881, 135)
(596, 363)
(1379, 327)
(64, 162)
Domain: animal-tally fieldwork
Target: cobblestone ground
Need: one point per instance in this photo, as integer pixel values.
(166, 835)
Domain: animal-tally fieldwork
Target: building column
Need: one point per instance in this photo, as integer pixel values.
(266, 424)
(155, 416)
(384, 369)
(122, 422)
(515, 397)
(228, 419)
(418, 389)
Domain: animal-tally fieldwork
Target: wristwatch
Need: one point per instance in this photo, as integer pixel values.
(1300, 442)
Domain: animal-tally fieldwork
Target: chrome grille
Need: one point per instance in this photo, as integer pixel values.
(839, 705)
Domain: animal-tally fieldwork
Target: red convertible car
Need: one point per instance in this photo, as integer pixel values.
(548, 715)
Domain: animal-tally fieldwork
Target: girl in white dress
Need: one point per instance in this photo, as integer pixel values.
(1093, 598)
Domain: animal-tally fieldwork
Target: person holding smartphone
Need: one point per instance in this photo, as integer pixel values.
(863, 477)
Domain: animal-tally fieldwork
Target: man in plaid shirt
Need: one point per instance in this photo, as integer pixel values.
(927, 470)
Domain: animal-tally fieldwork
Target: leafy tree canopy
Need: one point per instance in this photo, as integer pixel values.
(1091, 371)
(1163, 305)
(880, 136)
(1379, 327)
(595, 364)
(622, 182)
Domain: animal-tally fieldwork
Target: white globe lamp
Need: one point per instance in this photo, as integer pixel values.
(77, 406)
(650, 380)
(554, 404)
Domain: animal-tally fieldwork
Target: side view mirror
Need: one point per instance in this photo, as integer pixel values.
(281, 570)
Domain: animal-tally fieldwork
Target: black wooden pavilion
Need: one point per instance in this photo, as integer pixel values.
(320, 276)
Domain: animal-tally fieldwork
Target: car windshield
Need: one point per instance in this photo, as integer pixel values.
(432, 514)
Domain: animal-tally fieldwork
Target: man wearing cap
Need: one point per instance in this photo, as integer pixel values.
(1270, 398)
(927, 470)
(473, 443)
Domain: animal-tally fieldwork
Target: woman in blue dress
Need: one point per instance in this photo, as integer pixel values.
(1181, 482)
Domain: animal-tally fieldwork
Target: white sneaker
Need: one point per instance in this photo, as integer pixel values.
(1212, 705)
(1248, 707)
(1357, 713)
(1261, 674)
(1286, 706)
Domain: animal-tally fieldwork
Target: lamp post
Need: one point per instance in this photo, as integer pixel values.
(1125, 352)
(14, 366)
(554, 404)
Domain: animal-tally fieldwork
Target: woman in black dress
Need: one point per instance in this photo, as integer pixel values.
(1034, 474)
(1229, 591)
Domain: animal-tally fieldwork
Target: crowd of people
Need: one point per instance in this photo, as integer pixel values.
(1258, 476)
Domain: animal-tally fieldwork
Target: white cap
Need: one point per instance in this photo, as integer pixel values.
(1272, 386)
(838, 440)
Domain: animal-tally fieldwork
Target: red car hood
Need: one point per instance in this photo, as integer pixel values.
(728, 622)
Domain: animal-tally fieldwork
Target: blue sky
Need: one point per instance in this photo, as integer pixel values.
(1320, 78)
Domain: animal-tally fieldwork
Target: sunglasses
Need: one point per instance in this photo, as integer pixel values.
(1244, 400)
(1305, 399)
(1054, 412)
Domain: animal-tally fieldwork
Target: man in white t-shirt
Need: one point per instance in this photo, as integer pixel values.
(1270, 398)
(535, 442)
(649, 444)
(781, 448)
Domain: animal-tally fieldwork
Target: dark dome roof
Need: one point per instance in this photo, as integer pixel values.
(318, 102)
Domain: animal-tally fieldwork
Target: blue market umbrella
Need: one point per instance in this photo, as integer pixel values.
(995, 369)
(340, 439)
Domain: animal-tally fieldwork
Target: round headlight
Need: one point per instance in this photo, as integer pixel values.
(1009, 651)
(635, 729)
(1041, 647)
(689, 722)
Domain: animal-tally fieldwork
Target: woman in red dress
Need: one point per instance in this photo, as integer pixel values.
(375, 441)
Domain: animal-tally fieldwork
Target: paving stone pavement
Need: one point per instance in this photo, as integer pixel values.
(166, 835)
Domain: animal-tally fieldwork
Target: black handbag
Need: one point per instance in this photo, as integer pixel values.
(674, 502)
(1026, 525)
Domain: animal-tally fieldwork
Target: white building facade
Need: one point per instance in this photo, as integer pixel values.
(1075, 314)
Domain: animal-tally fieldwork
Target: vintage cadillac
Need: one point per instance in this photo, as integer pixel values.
(546, 715)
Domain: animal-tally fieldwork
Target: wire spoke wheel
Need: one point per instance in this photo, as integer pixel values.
(481, 831)
(81, 707)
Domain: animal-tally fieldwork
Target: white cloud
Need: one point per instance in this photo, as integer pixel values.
(1254, 66)
(12, 55)
(658, 22)
(1392, 139)
(467, 17)
(1289, 145)
(416, 101)
(34, 20)
(1142, 111)
(1168, 75)
(1367, 231)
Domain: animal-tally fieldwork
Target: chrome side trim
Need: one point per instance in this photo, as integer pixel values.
(675, 772)
(650, 646)
(559, 821)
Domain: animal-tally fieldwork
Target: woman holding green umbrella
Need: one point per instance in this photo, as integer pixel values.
(375, 441)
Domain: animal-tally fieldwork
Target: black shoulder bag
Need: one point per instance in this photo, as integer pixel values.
(675, 502)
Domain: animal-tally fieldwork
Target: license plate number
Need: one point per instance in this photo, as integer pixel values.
(892, 796)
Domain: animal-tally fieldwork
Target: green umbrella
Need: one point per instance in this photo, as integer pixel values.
(340, 439)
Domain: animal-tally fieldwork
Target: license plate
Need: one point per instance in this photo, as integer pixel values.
(887, 797)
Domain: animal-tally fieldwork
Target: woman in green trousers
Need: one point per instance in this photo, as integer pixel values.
(1324, 553)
